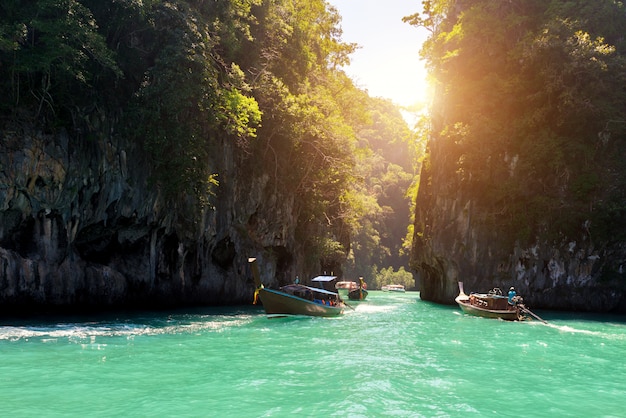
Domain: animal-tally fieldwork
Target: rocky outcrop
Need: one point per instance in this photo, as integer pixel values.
(454, 242)
(82, 227)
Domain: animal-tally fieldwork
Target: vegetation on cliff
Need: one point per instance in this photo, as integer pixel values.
(183, 78)
(528, 122)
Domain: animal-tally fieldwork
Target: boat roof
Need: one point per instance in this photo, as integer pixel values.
(323, 278)
(312, 289)
(488, 295)
(318, 290)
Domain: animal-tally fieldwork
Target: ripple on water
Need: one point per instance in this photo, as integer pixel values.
(390, 356)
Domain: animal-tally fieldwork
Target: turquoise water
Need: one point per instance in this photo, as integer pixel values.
(394, 355)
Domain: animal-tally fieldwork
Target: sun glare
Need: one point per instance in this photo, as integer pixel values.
(387, 64)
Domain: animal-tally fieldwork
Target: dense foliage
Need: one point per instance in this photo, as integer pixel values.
(530, 113)
(385, 171)
(184, 76)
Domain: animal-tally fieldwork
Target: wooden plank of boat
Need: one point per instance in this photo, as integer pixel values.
(281, 303)
(508, 315)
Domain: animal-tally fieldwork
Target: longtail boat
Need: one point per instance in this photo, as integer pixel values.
(295, 299)
(352, 290)
(489, 305)
(360, 293)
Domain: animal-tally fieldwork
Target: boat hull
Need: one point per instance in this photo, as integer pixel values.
(357, 294)
(507, 315)
(279, 303)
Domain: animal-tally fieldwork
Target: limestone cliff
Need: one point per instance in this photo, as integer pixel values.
(81, 226)
(454, 241)
(524, 180)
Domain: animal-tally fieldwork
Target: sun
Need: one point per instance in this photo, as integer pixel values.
(400, 79)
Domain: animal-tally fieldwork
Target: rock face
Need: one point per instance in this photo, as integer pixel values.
(81, 226)
(452, 244)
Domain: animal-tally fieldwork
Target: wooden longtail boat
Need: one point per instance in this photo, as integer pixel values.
(360, 293)
(352, 290)
(295, 299)
(489, 305)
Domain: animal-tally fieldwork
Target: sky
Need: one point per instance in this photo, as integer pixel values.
(387, 64)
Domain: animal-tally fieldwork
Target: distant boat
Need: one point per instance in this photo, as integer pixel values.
(345, 287)
(360, 292)
(296, 299)
(392, 288)
(488, 305)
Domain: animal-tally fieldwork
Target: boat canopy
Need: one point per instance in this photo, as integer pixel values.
(346, 285)
(324, 279)
(319, 290)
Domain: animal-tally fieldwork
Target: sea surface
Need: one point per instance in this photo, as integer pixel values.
(393, 355)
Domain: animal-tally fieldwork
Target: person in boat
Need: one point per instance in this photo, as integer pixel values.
(512, 295)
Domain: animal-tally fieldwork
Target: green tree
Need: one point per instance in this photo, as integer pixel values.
(306, 142)
(524, 87)
(52, 56)
(523, 90)
(387, 276)
(384, 168)
(188, 97)
(186, 79)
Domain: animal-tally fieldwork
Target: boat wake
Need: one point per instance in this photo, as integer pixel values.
(572, 330)
(89, 331)
(369, 308)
